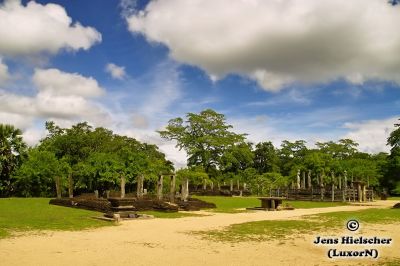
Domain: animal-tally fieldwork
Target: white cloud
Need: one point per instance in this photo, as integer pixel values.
(57, 82)
(61, 96)
(278, 42)
(18, 120)
(36, 28)
(117, 72)
(4, 75)
(371, 134)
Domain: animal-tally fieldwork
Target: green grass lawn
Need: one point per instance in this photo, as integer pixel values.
(394, 198)
(24, 214)
(231, 204)
(283, 229)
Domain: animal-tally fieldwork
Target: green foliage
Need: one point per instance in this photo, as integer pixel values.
(266, 158)
(205, 137)
(12, 149)
(36, 176)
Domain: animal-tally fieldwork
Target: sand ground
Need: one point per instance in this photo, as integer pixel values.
(167, 242)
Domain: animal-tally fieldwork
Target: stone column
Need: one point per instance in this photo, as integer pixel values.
(139, 186)
(359, 192)
(185, 189)
(172, 189)
(123, 181)
(309, 179)
(303, 180)
(70, 186)
(58, 187)
(231, 187)
(238, 184)
(298, 179)
(160, 187)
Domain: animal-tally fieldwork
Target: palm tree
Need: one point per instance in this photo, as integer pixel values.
(11, 148)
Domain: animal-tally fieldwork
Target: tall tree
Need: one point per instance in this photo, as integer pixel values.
(205, 137)
(266, 158)
(11, 150)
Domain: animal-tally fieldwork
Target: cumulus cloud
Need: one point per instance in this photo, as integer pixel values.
(60, 95)
(371, 134)
(278, 42)
(117, 72)
(4, 75)
(36, 28)
(56, 82)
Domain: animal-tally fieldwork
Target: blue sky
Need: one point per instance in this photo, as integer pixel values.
(277, 69)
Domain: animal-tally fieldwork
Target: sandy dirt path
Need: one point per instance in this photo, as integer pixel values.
(166, 242)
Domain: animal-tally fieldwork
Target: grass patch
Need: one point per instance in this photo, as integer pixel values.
(283, 229)
(394, 198)
(171, 215)
(25, 214)
(232, 204)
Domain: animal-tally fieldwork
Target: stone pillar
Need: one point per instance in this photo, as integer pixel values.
(340, 182)
(58, 187)
(244, 186)
(204, 184)
(359, 192)
(298, 179)
(238, 184)
(123, 181)
(333, 192)
(345, 179)
(364, 193)
(172, 189)
(231, 187)
(185, 189)
(309, 179)
(96, 194)
(212, 186)
(139, 186)
(70, 186)
(303, 180)
(160, 187)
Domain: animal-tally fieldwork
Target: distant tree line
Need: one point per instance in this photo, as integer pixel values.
(98, 159)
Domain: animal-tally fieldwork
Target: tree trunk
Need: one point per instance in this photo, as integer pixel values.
(123, 181)
(160, 188)
(70, 186)
(172, 189)
(58, 187)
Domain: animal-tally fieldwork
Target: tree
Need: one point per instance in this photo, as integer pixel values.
(36, 176)
(12, 148)
(291, 154)
(205, 137)
(266, 158)
(392, 177)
